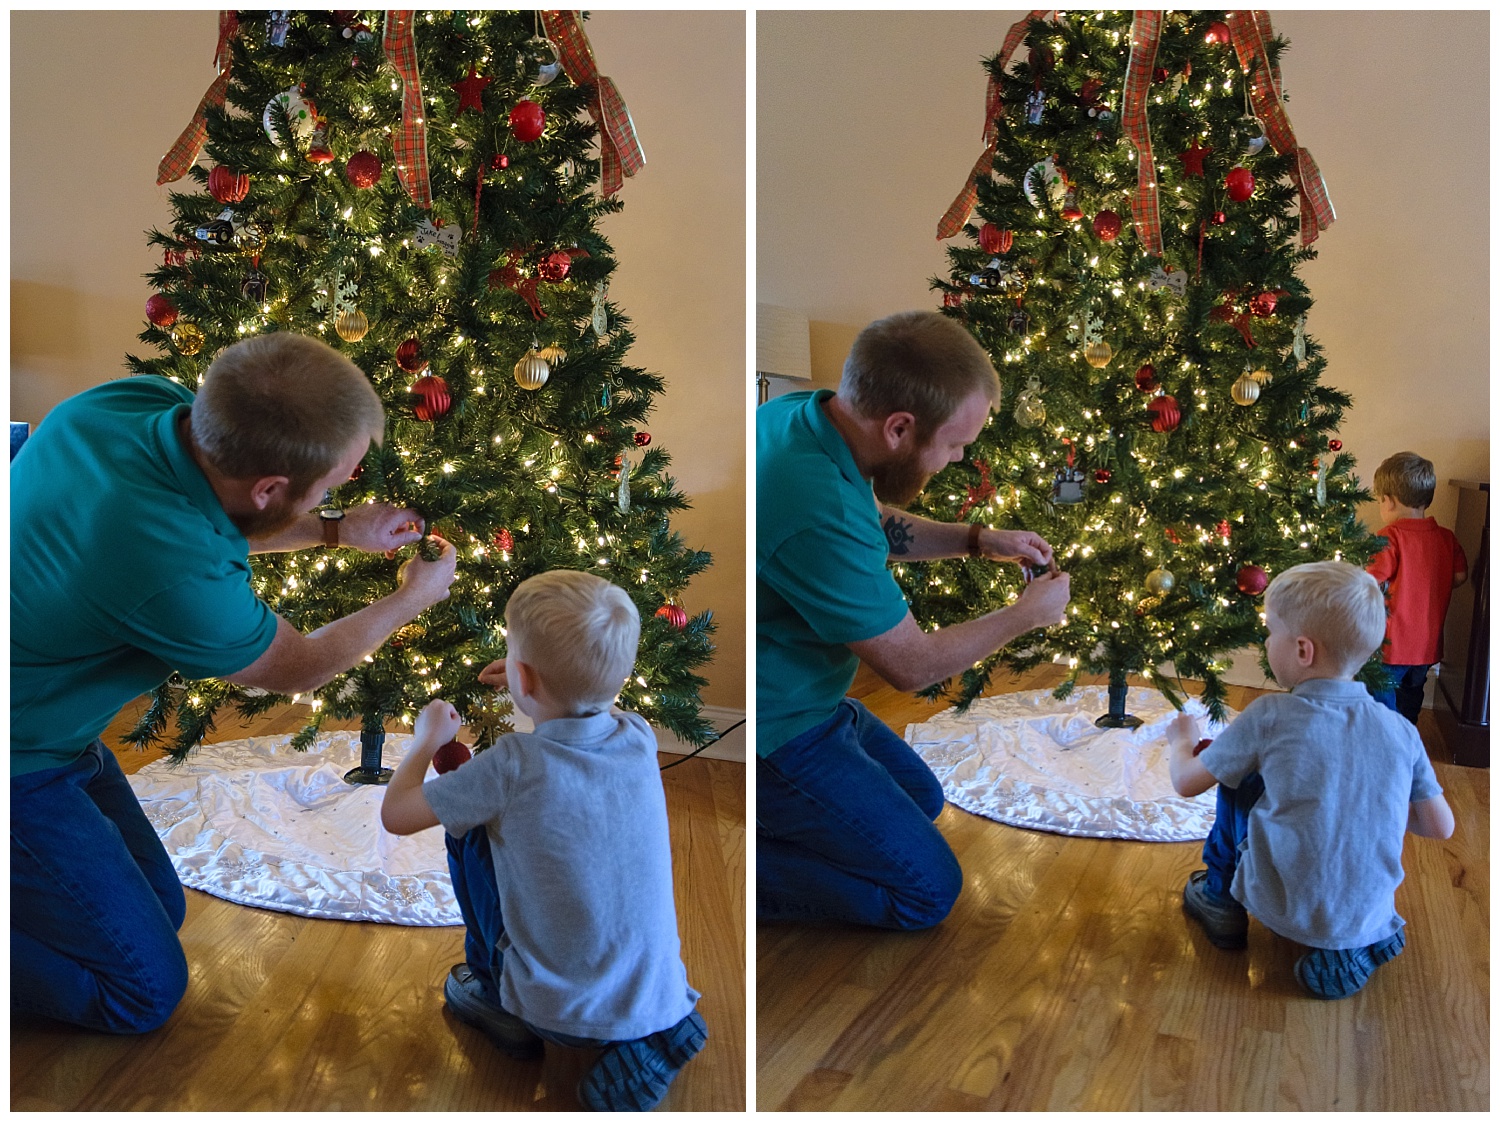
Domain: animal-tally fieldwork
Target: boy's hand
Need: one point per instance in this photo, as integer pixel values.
(437, 724)
(1182, 732)
(494, 675)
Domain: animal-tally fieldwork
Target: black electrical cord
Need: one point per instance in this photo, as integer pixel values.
(710, 744)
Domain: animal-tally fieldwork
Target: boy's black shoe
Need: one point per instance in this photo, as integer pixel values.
(1223, 920)
(635, 1074)
(1330, 974)
(465, 997)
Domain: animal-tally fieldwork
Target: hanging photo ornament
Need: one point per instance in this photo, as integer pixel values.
(253, 288)
(1036, 101)
(1019, 321)
(278, 23)
(1031, 410)
(301, 114)
(539, 60)
(1067, 485)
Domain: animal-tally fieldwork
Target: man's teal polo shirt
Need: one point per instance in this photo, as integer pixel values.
(821, 580)
(124, 567)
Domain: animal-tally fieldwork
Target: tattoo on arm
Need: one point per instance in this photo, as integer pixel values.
(899, 535)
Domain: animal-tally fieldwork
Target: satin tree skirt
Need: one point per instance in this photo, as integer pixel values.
(258, 823)
(1027, 759)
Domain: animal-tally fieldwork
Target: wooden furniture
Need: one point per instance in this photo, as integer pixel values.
(1461, 702)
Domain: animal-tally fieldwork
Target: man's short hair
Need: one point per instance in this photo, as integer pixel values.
(920, 363)
(1336, 605)
(579, 631)
(283, 404)
(1407, 478)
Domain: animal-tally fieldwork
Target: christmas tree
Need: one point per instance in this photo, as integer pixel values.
(1132, 270)
(421, 191)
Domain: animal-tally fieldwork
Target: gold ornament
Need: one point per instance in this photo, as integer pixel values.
(1159, 582)
(1262, 376)
(1246, 390)
(1031, 410)
(553, 355)
(351, 325)
(188, 338)
(532, 371)
(1098, 353)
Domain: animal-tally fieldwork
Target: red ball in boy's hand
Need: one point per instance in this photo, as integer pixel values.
(450, 755)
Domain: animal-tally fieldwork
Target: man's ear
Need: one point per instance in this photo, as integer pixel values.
(267, 489)
(898, 430)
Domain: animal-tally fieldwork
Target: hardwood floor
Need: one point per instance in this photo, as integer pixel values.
(1067, 977)
(287, 1013)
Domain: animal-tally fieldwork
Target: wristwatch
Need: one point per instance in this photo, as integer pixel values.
(331, 520)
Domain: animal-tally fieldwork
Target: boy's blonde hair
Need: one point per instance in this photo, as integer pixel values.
(1336, 605)
(283, 404)
(579, 631)
(1408, 478)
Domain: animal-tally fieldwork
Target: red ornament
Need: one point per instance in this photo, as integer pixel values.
(1251, 580)
(506, 541)
(1220, 218)
(470, 90)
(1222, 529)
(1071, 211)
(227, 186)
(1145, 379)
(642, 439)
(1107, 225)
(992, 239)
(1165, 414)
(1263, 304)
(527, 121)
(359, 469)
(408, 359)
(1240, 184)
(1335, 445)
(161, 311)
(1101, 475)
(1171, 535)
(435, 400)
(554, 267)
(500, 162)
(363, 169)
(1159, 74)
(953, 299)
(1192, 159)
(450, 755)
(1217, 33)
(673, 614)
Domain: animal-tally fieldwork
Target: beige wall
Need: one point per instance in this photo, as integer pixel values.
(868, 122)
(97, 97)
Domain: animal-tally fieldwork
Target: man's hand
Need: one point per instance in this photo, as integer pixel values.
(1015, 545)
(494, 675)
(437, 724)
(1043, 600)
(427, 582)
(379, 527)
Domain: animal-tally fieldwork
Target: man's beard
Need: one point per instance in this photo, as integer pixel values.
(898, 482)
(264, 523)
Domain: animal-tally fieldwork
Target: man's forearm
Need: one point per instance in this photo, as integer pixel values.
(912, 538)
(912, 659)
(305, 533)
(337, 646)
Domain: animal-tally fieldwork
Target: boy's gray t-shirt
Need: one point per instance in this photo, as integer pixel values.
(577, 823)
(1322, 856)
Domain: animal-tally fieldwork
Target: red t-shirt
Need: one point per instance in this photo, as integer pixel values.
(1418, 568)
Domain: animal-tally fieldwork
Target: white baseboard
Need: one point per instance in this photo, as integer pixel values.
(731, 747)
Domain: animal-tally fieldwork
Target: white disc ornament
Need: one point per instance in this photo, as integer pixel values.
(1044, 178)
(301, 114)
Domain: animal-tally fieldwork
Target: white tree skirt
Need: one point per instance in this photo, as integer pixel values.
(255, 822)
(1027, 759)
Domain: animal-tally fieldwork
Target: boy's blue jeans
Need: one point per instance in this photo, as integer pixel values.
(1408, 687)
(1221, 850)
(94, 901)
(844, 828)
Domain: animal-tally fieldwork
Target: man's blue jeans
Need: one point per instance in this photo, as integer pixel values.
(94, 902)
(1221, 850)
(844, 829)
(1408, 687)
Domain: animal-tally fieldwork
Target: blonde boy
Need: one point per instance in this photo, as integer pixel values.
(559, 851)
(1316, 790)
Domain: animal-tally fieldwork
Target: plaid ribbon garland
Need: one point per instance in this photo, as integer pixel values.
(620, 151)
(1145, 37)
(185, 149)
(410, 144)
(1249, 32)
(959, 210)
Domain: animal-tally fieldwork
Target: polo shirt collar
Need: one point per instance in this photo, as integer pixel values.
(191, 481)
(579, 730)
(829, 438)
(1331, 689)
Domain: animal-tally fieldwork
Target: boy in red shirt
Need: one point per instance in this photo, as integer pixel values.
(1419, 568)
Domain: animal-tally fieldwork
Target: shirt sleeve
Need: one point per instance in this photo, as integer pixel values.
(206, 626)
(1424, 782)
(1460, 562)
(837, 583)
(472, 794)
(1384, 564)
(1235, 752)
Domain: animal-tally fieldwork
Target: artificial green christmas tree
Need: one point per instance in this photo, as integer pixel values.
(1142, 211)
(422, 190)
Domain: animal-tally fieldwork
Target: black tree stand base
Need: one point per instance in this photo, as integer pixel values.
(1117, 718)
(369, 770)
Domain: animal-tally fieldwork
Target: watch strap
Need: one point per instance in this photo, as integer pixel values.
(331, 532)
(974, 530)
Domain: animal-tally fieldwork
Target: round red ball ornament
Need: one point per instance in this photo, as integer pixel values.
(1218, 32)
(435, 400)
(1239, 184)
(1145, 379)
(161, 311)
(227, 186)
(642, 439)
(1165, 413)
(1335, 445)
(673, 614)
(450, 755)
(408, 359)
(363, 169)
(1107, 225)
(1263, 304)
(554, 267)
(527, 121)
(1101, 475)
(992, 239)
(1220, 218)
(1251, 580)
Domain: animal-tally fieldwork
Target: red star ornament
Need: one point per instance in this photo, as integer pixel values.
(1192, 159)
(471, 88)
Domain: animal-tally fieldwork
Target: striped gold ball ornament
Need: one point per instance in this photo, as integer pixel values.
(532, 371)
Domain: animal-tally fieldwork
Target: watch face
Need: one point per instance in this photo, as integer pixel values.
(331, 515)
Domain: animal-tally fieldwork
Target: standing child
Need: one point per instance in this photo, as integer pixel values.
(1420, 567)
(1317, 788)
(559, 850)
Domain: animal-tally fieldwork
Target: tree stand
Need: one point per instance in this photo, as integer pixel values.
(1117, 718)
(371, 741)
